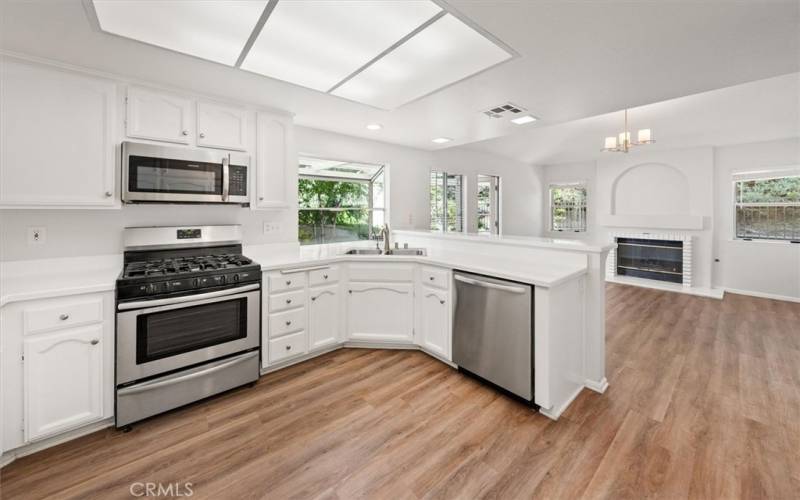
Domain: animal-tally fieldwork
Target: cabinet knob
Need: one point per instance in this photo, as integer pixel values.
(260, 198)
(441, 302)
(288, 348)
(288, 282)
(109, 194)
(431, 278)
(95, 341)
(324, 276)
(202, 135)
(64, 317)
(288, 323)
(313, 299)
(184, 132)
(288, 301)
(349, 291)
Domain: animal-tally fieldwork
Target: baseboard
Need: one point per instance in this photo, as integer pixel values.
(28, 449)
(555, 413)
(370, 344)
(597, 386)
(762, 295)
(713, 293)
(300, 359)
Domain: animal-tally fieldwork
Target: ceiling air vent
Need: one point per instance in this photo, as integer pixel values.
(507, 109)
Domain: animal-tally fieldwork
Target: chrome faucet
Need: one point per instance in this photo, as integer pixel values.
(385, 234)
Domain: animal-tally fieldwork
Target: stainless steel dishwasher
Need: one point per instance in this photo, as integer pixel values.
(493, 331)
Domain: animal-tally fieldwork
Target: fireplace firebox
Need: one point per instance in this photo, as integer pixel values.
(660, 260)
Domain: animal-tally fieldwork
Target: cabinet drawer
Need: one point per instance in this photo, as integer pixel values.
(287, 300)
(70, 313)
(323, 276)
(287, 322)
(435, 277)
(286, 347)
(280, 282)
(381, 272)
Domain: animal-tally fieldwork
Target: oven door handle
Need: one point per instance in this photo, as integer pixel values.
(125, 306)
(226, 178)
(215, 367)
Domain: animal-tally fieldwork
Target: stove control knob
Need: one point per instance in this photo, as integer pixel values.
(235, 278)
(196, 282)
(167, 286)
(152, 288)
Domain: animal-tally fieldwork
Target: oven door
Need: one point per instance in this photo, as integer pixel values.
(162, 335)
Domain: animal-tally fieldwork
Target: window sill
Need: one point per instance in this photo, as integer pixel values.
(760, 241)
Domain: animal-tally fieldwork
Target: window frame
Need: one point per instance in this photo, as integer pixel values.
(383, 170)
(550, 211)
(495, 210)
(762, 175)
(445, 175)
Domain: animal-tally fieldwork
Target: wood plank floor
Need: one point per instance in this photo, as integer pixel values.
(704, 402)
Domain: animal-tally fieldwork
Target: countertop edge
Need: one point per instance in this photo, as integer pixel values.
(520, 242)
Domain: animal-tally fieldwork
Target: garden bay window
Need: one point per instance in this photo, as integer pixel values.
(447, 202)
(767, 206)
(339, 201)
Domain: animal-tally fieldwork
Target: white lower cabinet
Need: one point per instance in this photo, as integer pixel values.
(323, 316)
(63, 380)
(435, 313)
(380, 311)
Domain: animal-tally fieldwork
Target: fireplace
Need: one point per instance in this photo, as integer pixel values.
(660, 260)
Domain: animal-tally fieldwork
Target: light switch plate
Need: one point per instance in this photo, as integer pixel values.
(271, 227)
(37, 235)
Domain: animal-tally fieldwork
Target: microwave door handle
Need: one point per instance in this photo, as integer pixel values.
(225, 178)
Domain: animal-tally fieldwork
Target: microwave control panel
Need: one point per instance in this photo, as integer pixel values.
(237, 185)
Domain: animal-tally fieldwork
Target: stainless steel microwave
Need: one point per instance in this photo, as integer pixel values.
(163, 174)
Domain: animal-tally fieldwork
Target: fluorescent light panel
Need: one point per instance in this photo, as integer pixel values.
(522, 120)
(441, 140)
(443, 53)
(216, 30)
(318, 43)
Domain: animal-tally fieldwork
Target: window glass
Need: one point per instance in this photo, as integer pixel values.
(488, 204)
(568, 207)
(768, 209)
(447, 202)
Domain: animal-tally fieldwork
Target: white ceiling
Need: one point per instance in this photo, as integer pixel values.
(578, 59)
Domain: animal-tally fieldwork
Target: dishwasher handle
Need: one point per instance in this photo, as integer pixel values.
(488, 284)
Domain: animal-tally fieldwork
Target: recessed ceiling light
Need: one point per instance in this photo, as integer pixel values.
(522, 120)
(374, 126)
(441, 140)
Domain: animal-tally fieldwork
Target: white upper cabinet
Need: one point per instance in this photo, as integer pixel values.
(63, 380)
(323, 316)
(58, 138)
(276, 161)
(158, 117)
(221, 127)
(435, 321)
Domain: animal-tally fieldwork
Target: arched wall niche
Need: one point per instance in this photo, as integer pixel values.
(651, 189)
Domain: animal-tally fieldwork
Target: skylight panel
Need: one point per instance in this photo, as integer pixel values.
(319, 167)
(216, 30)
(443, 53)
(319, 43)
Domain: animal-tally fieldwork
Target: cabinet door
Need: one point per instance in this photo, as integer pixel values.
(435, 322)
(221, 127)
(158, 117)
(380, 311)
(57, 138)
(63, 380)
(276, 163)
(323, 316)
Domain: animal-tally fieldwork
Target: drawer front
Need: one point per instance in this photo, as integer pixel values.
(286, 347)
(323, 276)
(287, 322)
(288, 300)
(381, 272)
(280, 282)
(435, 277)
(70, 313)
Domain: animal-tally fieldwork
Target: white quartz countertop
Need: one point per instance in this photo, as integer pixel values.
(273, 257)
(38, 279)
(44, 278)
(571, 245)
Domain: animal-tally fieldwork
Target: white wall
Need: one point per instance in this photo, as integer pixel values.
(520, 188)
(763, 267)
(768, 268)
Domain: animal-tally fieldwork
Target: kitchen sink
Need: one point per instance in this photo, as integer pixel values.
(363, 251)
(407, 251)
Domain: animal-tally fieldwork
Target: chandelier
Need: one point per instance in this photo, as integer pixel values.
(623, 143)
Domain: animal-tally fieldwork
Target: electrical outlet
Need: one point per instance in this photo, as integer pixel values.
(410, 219)
(271, 227)
(37, 235)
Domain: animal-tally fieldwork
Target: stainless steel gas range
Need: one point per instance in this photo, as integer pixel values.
(188, 318)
